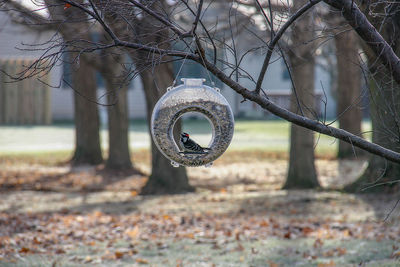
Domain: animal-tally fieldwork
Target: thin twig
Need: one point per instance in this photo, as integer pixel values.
(278, 36)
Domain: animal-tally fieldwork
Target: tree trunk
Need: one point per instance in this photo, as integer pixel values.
(302, 173)
(349, 90)
(164, 178)
(384, 106)
(87, 138)
(384, 99)
(118, 119)
(73, 25)
(118, 130)
(156, 76)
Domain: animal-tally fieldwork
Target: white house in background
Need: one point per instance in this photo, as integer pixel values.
(276, 82)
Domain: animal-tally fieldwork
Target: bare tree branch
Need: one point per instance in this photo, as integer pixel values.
(369, 34)
(277, 37)
(196, 21)
(161, 19)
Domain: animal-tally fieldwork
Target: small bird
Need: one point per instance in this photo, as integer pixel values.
(189, 144)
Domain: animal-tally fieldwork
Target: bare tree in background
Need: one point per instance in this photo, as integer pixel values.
(110, 65)
(302, 172)
(167, 29)
(111, 68)
(86, 115)
(164, 178)
(384, 99)
(349, 95)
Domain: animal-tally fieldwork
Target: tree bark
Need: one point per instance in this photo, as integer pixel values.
(87, 138)
(73, 26)
(384, 105)
(302, 172)
(384, 99)
(349, 90)
(118, 130)
(118, 119)
(164, 178)
(156, 76)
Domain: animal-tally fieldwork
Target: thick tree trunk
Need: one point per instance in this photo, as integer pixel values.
(87, 138)
(118, 120)
(156, 76)
(301, 172)
(118, 130)
(349, 90)
(164, 178)
(384, 99)
(384, 106)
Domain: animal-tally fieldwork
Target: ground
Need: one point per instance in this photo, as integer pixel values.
(54, 215)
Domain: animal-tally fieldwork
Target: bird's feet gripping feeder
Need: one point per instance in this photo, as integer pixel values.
(192, 96)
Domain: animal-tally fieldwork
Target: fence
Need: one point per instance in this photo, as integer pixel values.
(26, 101)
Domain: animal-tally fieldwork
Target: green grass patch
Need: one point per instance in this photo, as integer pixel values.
(44, 142)
(49, 158)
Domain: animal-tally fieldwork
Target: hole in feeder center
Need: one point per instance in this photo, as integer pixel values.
(197, 126)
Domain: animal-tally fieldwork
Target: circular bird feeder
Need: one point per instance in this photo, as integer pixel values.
(192, 96)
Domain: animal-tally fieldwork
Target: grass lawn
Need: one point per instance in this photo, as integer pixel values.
(272, 136)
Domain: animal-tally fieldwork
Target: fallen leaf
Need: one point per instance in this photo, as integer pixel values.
(132, 233)
(237, 236)
(98, 214)
(142, 261)
(67, 5)
(118, 254)
(307, 230)
(36, 241)
(347, 233)
(88, 259)
(188, 235)
(60, 251)
(341, 251)
(24, 250)
(329, 264)
(287, 235)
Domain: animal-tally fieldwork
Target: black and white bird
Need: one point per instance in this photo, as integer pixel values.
(190, 145)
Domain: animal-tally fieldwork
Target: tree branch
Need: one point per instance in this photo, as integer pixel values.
(196, 21)
(28, 14)
(369, 34)
(303, 121)
(161, 19)
(276, 38)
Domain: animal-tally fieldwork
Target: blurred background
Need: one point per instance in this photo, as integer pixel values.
(82, 183)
